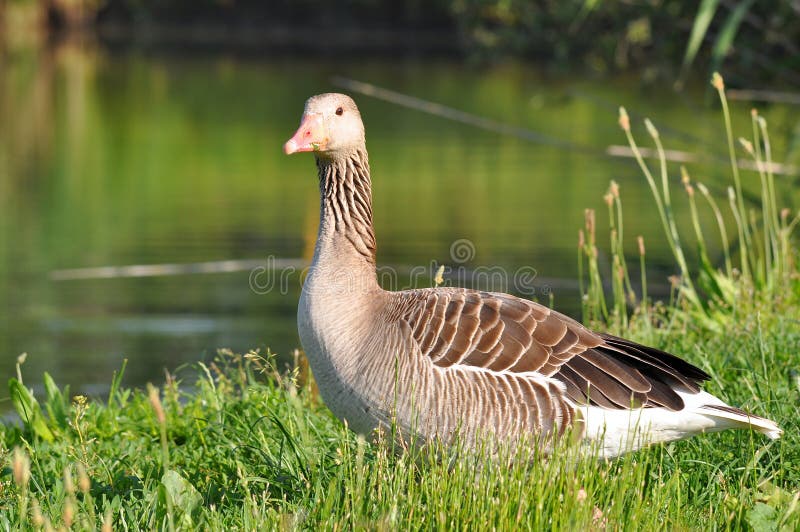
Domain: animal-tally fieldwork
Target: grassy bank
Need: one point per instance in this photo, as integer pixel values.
(248, 446)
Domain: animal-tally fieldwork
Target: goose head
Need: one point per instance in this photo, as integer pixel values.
(330, 126)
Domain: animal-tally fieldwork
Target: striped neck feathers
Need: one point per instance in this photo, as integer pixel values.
(346, 206)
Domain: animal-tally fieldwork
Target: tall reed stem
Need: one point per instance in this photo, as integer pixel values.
(744, 231)
(723, 233)
(667, 219)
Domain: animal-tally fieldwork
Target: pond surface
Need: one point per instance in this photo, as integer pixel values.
(139, 159)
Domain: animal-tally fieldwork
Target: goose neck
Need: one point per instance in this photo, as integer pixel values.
(346, 239)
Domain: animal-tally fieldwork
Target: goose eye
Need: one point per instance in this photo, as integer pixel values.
(339, 111)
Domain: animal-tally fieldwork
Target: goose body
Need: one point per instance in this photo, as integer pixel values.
(441, 362)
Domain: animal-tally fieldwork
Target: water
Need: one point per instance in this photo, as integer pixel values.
(127, 159)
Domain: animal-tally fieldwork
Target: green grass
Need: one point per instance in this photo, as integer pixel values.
(248, 447)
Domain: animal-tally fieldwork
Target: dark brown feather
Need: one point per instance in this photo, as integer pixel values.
(615, 391)
(589, 394)
(628, 376)
(662, 395)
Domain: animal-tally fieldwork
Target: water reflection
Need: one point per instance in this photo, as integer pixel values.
(134, 159)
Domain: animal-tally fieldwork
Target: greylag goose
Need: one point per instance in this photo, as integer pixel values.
(445, 361)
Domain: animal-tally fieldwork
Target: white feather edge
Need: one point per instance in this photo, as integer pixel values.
(616, 432)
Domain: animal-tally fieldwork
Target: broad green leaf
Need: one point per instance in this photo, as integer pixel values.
(184, 497)
(763, 518)
(28, 409)
(56, 407)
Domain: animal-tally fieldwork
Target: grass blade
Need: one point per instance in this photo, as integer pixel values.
(724, 42)
(705, 14)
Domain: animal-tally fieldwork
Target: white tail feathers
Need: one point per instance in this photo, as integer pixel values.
(621, 431)
(739, 419)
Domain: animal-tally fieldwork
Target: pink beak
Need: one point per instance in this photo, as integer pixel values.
(310, 136)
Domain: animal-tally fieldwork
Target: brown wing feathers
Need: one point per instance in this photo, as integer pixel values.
(687, 375)
(504, 333)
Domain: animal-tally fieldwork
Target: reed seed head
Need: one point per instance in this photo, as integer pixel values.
(69, 485)
(609, 199)
(438, 279)
(84, 484)
(597, 514)
(108, 520)
(21, 466)
(614, 188)
(36, 514)
(747, 145)
(754, 112)
(689, 190)
(651, 128)
(684, 175)
(67, 514)
(640, 242)
(589, 216)
(582, 238)
(624, 121)
(785, 212)
(155, 402)
(717, 82)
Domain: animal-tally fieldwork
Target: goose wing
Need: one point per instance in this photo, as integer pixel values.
(502, 333)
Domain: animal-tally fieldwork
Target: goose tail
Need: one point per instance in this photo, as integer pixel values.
(731, 417)
(622, 431)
